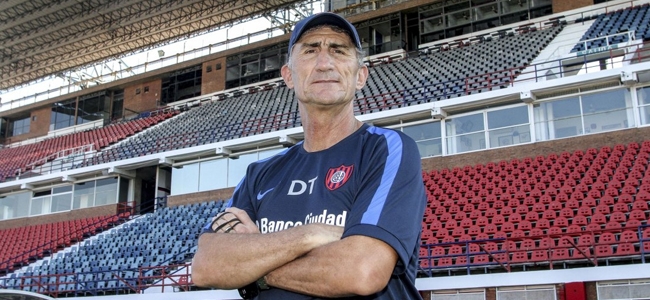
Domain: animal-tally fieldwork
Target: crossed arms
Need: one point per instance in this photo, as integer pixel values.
(310, 259)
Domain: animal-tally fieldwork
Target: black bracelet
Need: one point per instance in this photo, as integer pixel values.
(235, 221)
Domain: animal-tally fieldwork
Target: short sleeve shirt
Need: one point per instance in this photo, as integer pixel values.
(370, 183)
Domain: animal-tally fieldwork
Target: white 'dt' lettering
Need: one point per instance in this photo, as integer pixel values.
(298, 187)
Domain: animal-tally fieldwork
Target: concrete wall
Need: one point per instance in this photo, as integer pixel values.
(99, 211)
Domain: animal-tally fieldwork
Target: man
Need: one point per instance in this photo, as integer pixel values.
(337, 215)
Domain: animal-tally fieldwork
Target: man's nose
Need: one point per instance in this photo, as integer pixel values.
(324, 61)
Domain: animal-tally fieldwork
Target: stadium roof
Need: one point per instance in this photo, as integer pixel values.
(43, 37)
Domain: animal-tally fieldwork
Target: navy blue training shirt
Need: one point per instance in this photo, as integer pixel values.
(370, 183)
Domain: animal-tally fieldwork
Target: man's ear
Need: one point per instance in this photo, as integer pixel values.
(362, 76)
(286, 75)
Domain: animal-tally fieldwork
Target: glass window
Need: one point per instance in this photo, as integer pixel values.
(124, 189)
(559, 119)
(213, 174)
(20, 126)
(93, 109)
(589, 113)
(40, 205)
(62, 189)
(643, 94)
(62, 115)
(466, 133)
(61, 202)
(605, 111)
(14, 206)
(508, 126)
(106, 191)
(84, 195)
(427, 136)
(185, 179)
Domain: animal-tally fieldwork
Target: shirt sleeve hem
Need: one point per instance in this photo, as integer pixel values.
(384, 236)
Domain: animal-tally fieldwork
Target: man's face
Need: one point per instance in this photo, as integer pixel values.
(324, 69)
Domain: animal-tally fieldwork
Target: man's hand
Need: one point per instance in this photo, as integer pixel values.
(233, 220)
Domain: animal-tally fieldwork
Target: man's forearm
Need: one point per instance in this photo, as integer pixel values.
(232, 260)
(357, 265)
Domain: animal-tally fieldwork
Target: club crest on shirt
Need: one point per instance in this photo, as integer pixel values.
(336, 177)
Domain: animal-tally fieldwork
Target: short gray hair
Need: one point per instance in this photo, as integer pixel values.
(359, 52)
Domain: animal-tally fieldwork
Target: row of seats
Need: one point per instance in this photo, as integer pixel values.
(636, 19)
(27, 244)
(17, 160)
(127, 254)
(602, 193)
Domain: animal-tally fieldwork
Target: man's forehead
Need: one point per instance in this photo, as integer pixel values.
(327, 35)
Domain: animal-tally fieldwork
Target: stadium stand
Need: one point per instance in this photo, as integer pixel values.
(589, 206)
(268, 110)
(608, 28)
(28, 244)
(583, 208)
(123, 260)
(17, 161)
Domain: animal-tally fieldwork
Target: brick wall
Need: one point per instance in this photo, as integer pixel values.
(215, 80)
(220, 194)
(142, 96)
(591, 291)
(564, 5)
(39, 125)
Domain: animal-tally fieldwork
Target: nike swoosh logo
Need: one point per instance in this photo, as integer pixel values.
(260, 195)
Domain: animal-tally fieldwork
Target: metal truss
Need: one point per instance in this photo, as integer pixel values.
(44, 37)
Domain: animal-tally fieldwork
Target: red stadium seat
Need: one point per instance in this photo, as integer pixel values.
(580, 220)
(560, 254)
(598, 218)
(640, 205)
(603, 251)
(546, 243)
(525, 225)
(539, 255)
(637, 215)
(626, 249)
(543, 224)
(554, 230)
(490, 229)
(618, 217)
(573, 229)
(628, 236)
(613, 225)
(607, 238)
(520, 257)
(517, 234)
